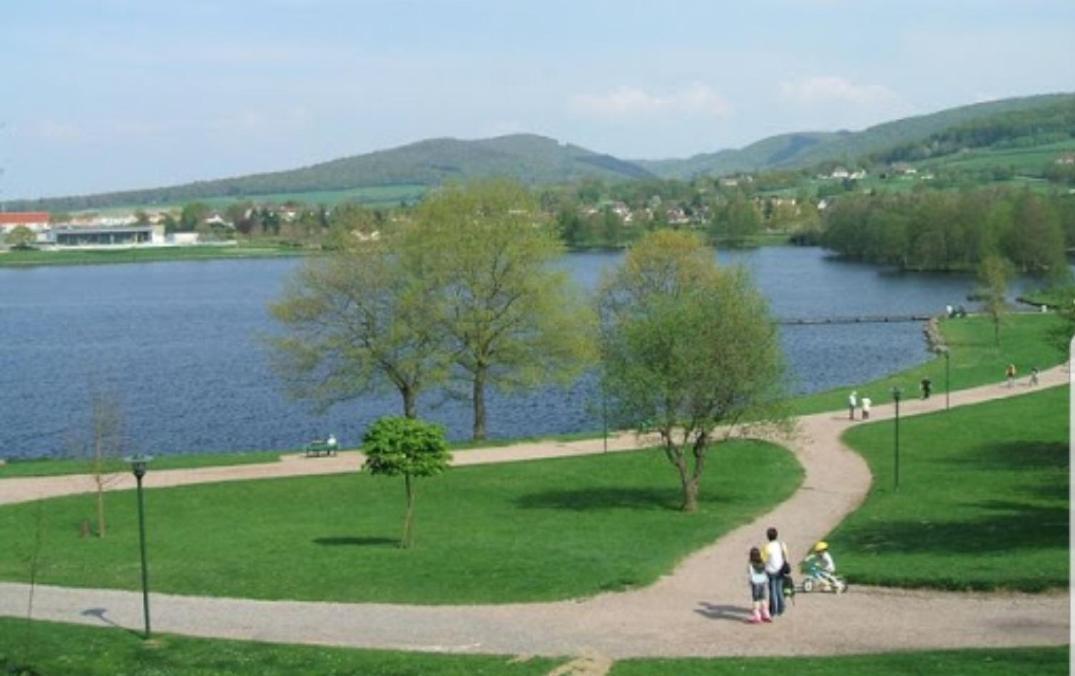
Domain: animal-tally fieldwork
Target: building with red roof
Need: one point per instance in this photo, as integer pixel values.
(37, 221)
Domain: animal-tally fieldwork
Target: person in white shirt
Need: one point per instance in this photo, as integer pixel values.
(852, 403)
(775, 555)
(866, 403)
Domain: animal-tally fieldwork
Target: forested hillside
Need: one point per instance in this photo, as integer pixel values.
(528, 158)
(1038, 122)
(1017, 116)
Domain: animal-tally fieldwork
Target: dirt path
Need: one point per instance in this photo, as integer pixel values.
(697, 610)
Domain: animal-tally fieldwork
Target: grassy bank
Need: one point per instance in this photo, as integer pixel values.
(982, 501)
(1026, 340)
(53, 648)
(60, 466)
(146, 255)
(529, 531)
(977, 662)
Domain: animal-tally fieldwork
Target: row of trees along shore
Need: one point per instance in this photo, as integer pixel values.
(954, 230)
(463, 296)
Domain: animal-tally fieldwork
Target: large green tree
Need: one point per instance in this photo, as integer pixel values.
(687, 347)
(994, 273)
(363, 318)
(413, 448)
(512, 317)
(20, 237)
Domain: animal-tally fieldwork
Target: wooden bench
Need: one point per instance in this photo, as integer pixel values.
(319, 447)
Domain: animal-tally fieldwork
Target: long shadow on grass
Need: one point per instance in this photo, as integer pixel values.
(1016, 455)
(1014, 526)
(646, 499)
(355, 542)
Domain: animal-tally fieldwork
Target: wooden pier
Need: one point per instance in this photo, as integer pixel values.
(862, 319)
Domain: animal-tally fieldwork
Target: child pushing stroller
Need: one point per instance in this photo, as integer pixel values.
(819, 571)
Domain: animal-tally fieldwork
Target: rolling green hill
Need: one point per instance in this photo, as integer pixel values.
(985, 131)
(793, 151)
(527, 157)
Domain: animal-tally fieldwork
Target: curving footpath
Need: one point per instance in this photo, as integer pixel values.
(697, 610)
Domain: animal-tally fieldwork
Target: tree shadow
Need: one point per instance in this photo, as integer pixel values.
(724, 612)
(99, 613)
(646, 499)
(1013, 526)
(1017, 455)
(356, 541)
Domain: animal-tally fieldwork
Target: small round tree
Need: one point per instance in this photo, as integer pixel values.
(407, 446)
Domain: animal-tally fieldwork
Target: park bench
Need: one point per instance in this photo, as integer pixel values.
(319, 447)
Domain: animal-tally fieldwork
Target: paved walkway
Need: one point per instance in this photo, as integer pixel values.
(697, 610)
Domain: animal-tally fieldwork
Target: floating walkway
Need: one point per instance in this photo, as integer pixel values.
(863, 319)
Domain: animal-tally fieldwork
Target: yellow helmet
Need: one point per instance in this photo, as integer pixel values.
(821, 546)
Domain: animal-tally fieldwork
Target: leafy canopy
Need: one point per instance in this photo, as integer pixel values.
(415, 448)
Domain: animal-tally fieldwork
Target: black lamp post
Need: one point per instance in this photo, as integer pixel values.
(138, 467)
(896, 393)
(947, 378)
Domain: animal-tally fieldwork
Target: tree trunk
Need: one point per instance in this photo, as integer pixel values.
(690, 494)
(996, 330)
(408, 518)
(410, 403)
(686, 481)
(100, 507)
(479, 403)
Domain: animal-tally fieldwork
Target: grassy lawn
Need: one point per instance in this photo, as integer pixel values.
(1053, 297)
(979, 662)
(531, 531)
(146, 255)
(52, 648)
(56, 467)
(1026, 340)
(982, 502)
(48, 648)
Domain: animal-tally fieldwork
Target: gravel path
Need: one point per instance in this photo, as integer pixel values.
(697, 610)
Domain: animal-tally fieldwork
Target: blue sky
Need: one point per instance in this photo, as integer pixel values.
(118, 94)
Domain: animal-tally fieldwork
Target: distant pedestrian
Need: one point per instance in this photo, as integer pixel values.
(866, 403)
(1009, 373)
(758, 582)
(949, 311)
(1033, 377)
(775, 555)
(927, 386)
(852, 404)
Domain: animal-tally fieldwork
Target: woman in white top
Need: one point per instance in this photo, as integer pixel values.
(775, 554)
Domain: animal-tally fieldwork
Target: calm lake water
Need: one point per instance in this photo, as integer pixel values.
(180, 343)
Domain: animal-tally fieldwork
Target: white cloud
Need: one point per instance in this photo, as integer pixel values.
(693, 99)
(55, 130)
(832, 89)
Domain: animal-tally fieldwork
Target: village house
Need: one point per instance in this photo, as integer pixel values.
(36, 221)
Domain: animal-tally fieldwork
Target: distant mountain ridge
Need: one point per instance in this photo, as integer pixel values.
(539, 160)
(805, 149)
(529, 158)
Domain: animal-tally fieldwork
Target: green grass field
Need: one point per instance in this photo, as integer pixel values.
(529, 531)
(1026, 340)
(982, 501)
(56, 467)
(53, 648)
(146, 255)
(983, 662)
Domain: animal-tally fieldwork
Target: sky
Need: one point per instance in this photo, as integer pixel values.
(121, 94)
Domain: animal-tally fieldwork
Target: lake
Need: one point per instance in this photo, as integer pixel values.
(181, 343)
